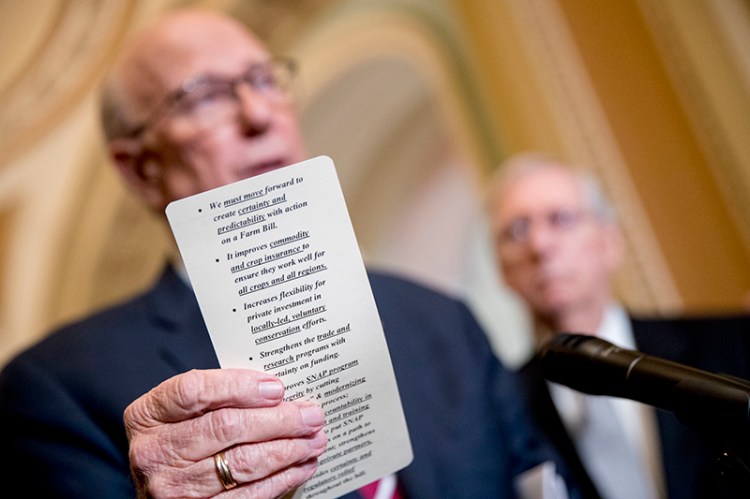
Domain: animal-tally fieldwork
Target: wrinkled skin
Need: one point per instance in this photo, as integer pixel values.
(174, 430)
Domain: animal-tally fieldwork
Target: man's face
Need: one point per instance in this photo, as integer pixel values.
(551, 247)
(184, 153)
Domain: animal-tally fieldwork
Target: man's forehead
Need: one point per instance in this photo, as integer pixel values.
(162, 60)
(199, 55)
(542, 189)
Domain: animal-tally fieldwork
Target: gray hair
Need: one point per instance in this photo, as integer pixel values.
(523, 164)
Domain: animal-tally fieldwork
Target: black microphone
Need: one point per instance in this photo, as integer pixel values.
(714, 403)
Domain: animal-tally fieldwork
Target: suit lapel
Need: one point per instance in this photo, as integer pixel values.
(184, 341)
(547, 419)
(677, 443)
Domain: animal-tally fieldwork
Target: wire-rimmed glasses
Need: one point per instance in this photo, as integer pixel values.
(203, 101)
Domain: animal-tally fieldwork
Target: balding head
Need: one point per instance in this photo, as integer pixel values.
(163, 55)
(195, 102)
(525, 164)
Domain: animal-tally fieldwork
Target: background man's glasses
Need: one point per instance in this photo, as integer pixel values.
(558, 221)
(202, 102)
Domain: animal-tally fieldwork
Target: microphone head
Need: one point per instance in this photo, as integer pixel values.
(700, 399)
(587, 364)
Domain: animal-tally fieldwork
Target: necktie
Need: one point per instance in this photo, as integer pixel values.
(610, 460)
(385, 488)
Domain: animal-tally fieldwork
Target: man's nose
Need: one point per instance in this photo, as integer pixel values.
(255, 110)
(541, 237)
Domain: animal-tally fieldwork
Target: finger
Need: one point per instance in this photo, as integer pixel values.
(257, 462)
(168, 454)
(225, 428)
(203, 436)
(271, 467)
(195, 392)
(275, 486)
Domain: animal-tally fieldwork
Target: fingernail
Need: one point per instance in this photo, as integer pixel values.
(319, 441)
(312, 415)
(311, 466)
(271, 390)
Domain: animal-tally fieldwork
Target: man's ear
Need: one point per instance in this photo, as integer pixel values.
(139, 169)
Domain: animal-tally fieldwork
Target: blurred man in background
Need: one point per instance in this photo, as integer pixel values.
(558, 245)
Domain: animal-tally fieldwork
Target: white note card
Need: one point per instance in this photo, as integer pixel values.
(282, 287)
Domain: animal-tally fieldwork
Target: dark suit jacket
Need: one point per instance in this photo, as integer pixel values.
(61, 402)
(714, 344)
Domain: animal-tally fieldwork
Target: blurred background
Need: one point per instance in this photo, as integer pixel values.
(417, 102)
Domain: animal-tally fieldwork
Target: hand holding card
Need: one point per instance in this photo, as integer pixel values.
(282, 287)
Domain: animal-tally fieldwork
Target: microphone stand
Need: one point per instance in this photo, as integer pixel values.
(732, 463)
(726, 434)
(717, 406)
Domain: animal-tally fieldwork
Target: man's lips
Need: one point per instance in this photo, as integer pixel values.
(549, 279)
(265, 166)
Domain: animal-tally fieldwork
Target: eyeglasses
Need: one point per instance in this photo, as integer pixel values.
(202, 102)
(557, 221)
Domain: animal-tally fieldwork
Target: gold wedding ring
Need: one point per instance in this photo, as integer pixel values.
(222, 469)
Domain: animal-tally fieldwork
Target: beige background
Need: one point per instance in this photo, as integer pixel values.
(417, 101)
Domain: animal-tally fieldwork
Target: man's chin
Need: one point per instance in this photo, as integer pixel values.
(263, 168)
(551, 306)
(269, 166)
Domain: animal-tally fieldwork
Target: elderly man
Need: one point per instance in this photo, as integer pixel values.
(558, 245)
(193, 103)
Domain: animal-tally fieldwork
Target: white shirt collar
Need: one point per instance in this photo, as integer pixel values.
(615, 328)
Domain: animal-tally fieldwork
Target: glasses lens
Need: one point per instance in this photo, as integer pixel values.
(203, 102)
(208, 102)
(274, 76)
